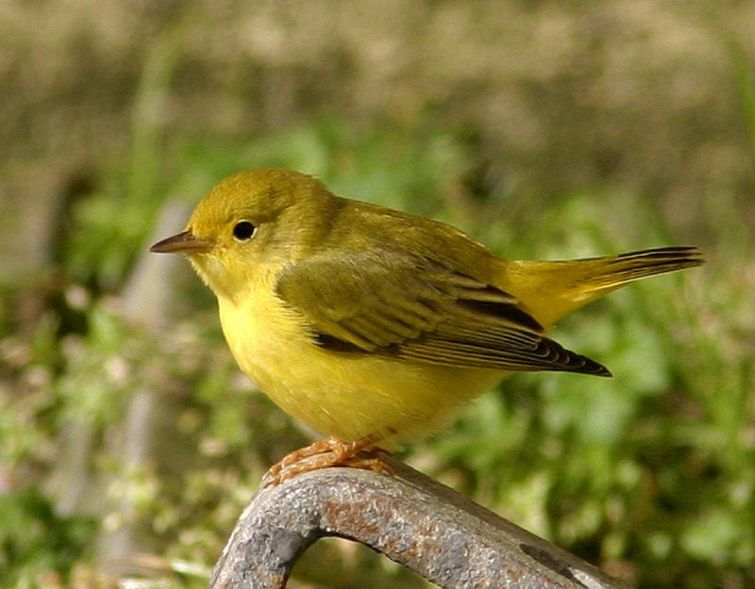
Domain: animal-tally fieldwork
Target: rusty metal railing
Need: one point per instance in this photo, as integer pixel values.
(410, 518)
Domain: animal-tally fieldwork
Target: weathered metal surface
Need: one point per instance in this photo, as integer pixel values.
(410, 518)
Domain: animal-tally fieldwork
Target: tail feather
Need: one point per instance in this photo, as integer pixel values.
(618, 270)
(550, 290)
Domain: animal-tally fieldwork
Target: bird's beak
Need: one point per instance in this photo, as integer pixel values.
(184, 242)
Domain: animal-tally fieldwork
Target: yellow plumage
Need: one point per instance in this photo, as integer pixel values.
(362, 321)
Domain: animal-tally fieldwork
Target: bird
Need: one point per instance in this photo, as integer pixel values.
(371, 325)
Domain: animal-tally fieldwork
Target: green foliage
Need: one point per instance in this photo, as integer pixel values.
(34, 540)
(396, 166)
(650, 473)
(558, 128)
(656, 465)
(99, 371)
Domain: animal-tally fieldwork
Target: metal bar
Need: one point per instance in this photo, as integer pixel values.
(410, 518)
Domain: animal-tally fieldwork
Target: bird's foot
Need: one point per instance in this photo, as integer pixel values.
(326, 453)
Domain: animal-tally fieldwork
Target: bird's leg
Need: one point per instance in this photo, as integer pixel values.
(374, 459)
(328, 452)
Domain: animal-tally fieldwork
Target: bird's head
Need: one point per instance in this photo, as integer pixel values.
(250, 221)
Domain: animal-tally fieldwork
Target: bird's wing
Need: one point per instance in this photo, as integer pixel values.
(408, 307)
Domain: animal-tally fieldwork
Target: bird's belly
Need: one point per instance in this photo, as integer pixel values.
(349, 395)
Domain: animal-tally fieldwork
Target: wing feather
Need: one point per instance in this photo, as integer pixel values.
(418, 309)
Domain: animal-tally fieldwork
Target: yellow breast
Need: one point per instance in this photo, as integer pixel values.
(349, 395)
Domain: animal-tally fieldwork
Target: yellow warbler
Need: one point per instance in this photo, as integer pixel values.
(369, 324)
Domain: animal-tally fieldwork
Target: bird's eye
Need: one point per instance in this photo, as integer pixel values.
(243, 230)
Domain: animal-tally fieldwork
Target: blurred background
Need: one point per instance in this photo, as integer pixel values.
(130, 442)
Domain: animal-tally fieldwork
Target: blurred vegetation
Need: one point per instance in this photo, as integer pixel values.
(547, 130)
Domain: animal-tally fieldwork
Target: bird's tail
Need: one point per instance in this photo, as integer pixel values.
(550, 290)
